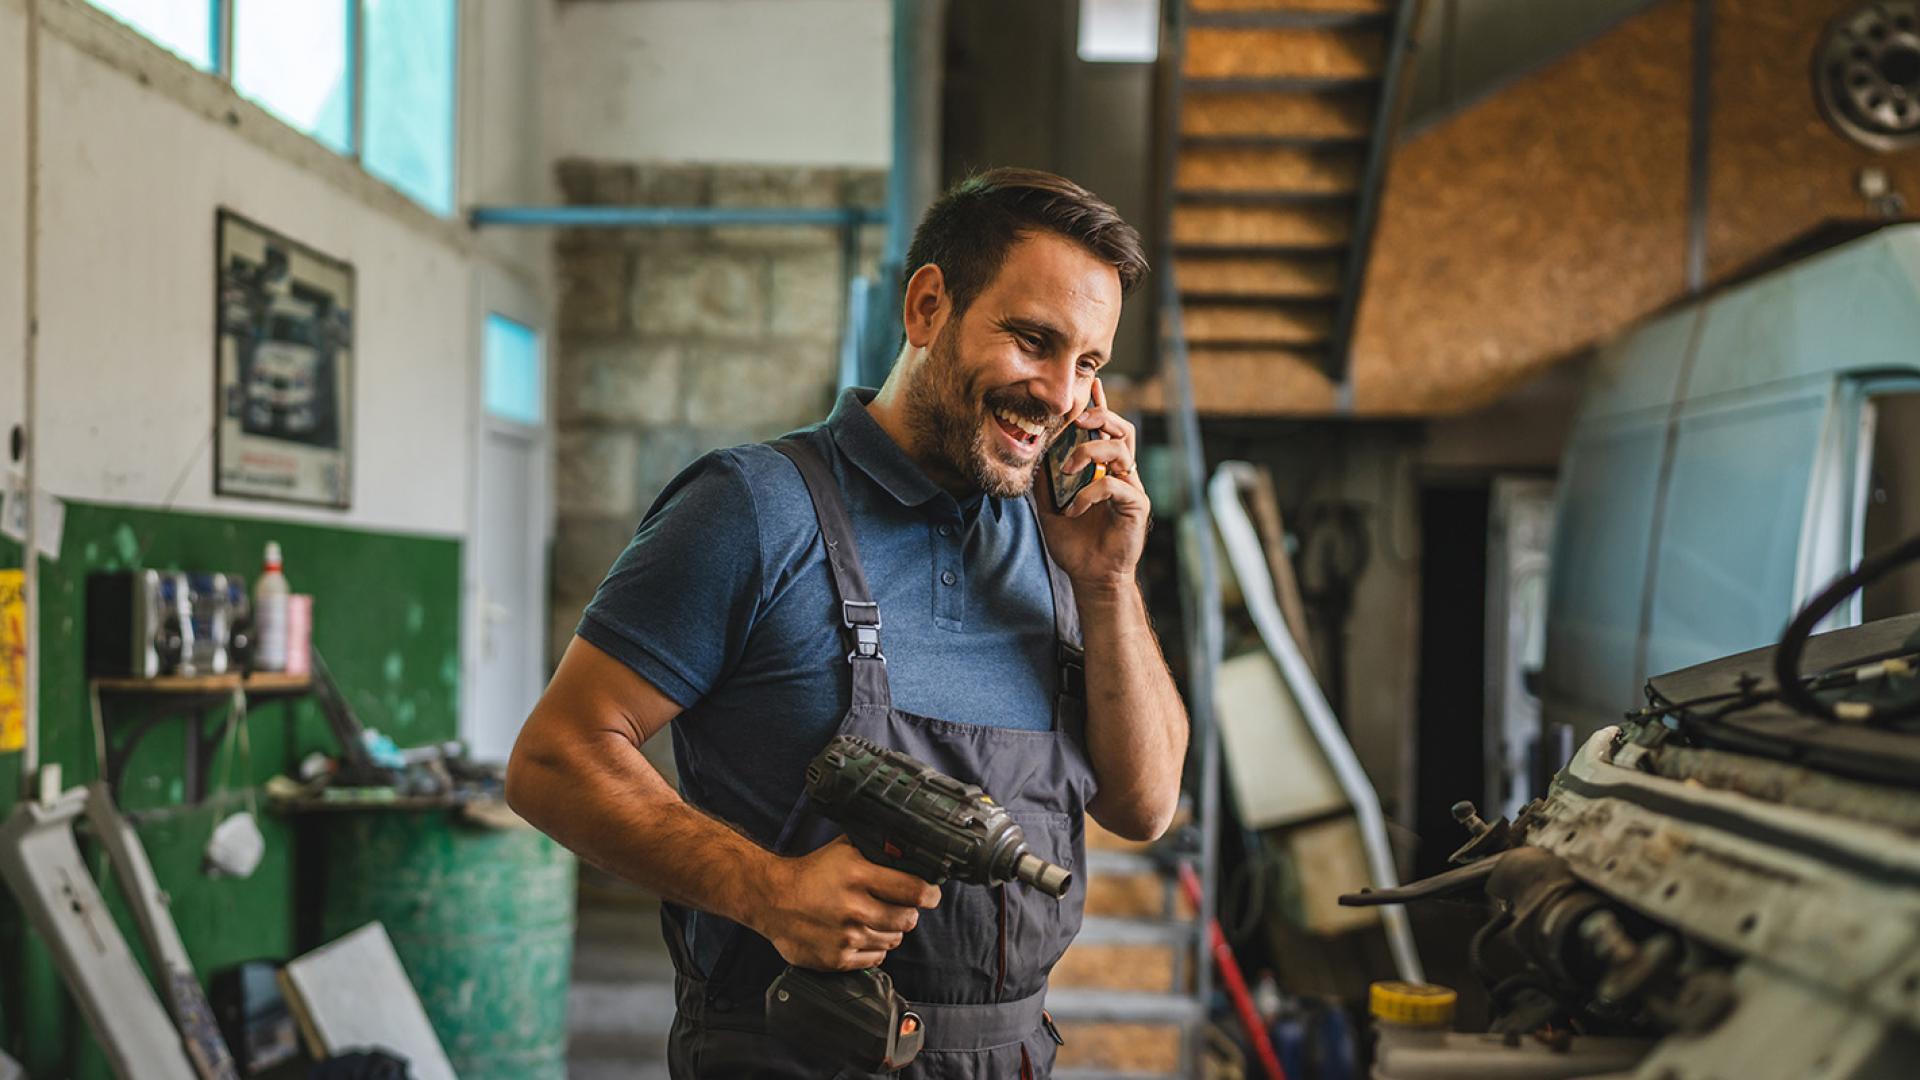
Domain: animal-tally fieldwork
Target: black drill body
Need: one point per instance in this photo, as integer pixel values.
(901, 813)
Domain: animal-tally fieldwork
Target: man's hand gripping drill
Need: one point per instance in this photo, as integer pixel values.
(850, 903)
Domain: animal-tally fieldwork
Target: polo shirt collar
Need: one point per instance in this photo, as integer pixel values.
(869, 447)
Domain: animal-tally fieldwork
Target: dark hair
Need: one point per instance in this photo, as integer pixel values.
(968, 231)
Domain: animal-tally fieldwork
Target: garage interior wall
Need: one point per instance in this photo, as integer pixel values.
(136, 153)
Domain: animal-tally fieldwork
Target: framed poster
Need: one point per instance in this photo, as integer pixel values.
(283, 367)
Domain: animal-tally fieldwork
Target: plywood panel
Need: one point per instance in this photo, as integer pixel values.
(1546, 217)
(1776, 168)
(1239, 112)
(1220, 53)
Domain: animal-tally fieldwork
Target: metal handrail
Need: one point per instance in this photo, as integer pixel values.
(1373, 178)
(1204, 619)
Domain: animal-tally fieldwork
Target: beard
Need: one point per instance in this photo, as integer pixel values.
(956, 424)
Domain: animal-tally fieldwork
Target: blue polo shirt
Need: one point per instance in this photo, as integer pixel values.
(723, 601)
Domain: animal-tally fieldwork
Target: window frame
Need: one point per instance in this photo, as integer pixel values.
(222, 12)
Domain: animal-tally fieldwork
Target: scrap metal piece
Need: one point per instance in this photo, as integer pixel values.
(42, 865)
(185, 1000)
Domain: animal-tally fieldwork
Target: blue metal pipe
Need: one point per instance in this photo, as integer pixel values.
(668, 217)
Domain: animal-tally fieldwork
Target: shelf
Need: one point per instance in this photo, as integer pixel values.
(260, 683)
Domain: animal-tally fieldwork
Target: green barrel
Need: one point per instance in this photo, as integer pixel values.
(481, 917)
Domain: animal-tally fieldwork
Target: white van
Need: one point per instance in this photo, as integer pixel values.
(1730, 457)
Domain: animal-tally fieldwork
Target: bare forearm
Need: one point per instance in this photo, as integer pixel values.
(1136, 724)
(599, 796)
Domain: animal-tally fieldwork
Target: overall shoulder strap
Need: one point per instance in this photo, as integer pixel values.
(1069, 649)
(859, 614)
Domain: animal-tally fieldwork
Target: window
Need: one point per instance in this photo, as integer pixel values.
(1125, 31)
(294, 61)
(409, 88)
(316, 63)
(513, 379)
(188, 30)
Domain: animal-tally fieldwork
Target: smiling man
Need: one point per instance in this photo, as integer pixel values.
(883, 574)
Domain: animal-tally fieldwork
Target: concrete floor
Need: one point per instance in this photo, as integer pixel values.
(621, 1002)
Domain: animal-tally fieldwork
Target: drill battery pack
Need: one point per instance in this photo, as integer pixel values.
(850, 1017)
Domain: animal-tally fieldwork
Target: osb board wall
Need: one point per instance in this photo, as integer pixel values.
(1544, 218)
(1776, 168)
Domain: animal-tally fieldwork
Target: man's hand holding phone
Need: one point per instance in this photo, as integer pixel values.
(1100, 510)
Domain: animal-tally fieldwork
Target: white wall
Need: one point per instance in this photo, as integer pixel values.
(136, 156)
(778, 82)
(13, 118)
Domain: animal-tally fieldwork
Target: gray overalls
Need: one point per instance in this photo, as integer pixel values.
(976, 966)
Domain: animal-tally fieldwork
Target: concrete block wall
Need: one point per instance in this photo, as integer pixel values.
(673, 342)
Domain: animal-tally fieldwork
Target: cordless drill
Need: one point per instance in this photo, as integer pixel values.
(901, 813)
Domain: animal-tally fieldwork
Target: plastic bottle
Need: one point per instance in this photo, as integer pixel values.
(270, 615)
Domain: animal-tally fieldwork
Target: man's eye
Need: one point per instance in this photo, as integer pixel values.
(1088, 367)
(1030, 343)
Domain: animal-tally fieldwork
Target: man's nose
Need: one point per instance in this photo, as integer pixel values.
(1052, 386)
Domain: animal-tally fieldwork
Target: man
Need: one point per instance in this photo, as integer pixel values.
(883, 574)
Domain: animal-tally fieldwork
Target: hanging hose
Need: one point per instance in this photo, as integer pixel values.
(1256, 586)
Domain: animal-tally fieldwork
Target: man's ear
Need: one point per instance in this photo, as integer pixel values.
(926, 306)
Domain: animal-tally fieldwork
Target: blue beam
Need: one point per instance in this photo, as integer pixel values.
(667, 217)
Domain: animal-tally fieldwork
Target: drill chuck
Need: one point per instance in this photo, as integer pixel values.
(1043, 875)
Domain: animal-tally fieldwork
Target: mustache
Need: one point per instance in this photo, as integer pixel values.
(1023, 406)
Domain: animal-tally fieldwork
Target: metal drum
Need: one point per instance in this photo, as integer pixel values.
(482, 918)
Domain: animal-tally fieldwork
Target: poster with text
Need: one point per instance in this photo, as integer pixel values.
(284, 367)
(13, 659)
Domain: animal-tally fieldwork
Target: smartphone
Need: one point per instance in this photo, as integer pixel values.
(1066, 487)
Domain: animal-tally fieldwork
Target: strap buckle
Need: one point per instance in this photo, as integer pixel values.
(863, 618)
(1073, 670)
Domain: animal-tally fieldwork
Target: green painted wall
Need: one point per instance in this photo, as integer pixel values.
(387, 618)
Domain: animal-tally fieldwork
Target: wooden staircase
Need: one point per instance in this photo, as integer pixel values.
(1123, 995)
(1278, 102)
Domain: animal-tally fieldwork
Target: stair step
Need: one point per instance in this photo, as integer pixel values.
(1330, 169)
(1103, 930)
(1280, 84)
(1254, 18)
(1122, 1007)
(1191, 299)
(637, 1009)
(1217, 197)
(1243, 326)
(1259, 278)
(1289, 5)
(1211, 111)
(1147, 969)
(1257, 141)
(1233, 250)
(1283, 53)
(1102, 861)
(1299, 227)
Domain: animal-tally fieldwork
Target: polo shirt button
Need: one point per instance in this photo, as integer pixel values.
(947, 578)
(946, 530)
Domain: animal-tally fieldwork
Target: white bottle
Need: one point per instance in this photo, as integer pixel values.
(270, 615)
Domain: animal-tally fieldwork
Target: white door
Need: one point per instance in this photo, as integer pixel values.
(507, 564)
